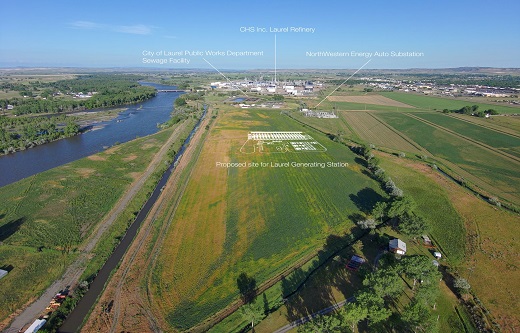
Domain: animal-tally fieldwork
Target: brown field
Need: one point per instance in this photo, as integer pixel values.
(492, 250)
(371, 130)
(369, 99)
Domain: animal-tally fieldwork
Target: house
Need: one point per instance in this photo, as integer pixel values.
(437, 255)
(3, 273)
(397, 246)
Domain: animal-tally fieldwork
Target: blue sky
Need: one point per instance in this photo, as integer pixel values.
(115, 34)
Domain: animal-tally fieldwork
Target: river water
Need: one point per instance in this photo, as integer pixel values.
(138, 120)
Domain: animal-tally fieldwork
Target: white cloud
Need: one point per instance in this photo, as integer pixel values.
(137, 29)
(87, 25)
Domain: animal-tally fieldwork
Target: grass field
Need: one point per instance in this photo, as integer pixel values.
(438, 103)
(46, 217)
(251, 220)
(369, 99)
(332, 126)
(373, 131)
(507, 124)
(496, 173)
(433, 204)
(491, 264)
(484, 135)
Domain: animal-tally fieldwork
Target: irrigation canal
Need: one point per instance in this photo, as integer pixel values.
(75, 319)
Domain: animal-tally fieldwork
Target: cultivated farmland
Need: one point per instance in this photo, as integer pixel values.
(438, 103)
(374, 131)
(479, 133)
(486, 168)
(369, 99)
(257, 219)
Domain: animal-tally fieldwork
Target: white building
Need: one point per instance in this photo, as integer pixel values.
(397, 246)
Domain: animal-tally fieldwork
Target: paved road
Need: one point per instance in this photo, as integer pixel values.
(74, 271)
(303, 320)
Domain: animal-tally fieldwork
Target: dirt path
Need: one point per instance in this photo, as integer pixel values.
(74, 271)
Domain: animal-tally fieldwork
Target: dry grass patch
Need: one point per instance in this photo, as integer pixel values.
(130, 157)
(85, 172)
(97, 157)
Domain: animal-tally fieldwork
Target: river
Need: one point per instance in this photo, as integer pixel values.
(138, 120)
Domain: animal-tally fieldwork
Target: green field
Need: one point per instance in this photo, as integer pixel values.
(496, 171)
(438, 103)
(257, 220)
(479, 133)
(45, 218)
(333, 126)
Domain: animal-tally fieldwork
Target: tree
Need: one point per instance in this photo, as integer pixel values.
(322, 324)
(374, 305)
(392, 189)
(461, 284)
(495, 201)
(419, 267)
(253, 312)
(419, 318)
(367, 224)
(180, 101)
(352, 314)
(412, 225)
(400, 206)
(71, 129)
(384, 282)
(379, 210)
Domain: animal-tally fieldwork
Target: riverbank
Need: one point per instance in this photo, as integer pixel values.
(133, 121)
(49, 201)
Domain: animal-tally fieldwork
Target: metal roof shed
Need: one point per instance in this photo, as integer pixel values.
(397, 246)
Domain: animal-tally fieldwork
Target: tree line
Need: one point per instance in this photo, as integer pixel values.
(381, 292)
(472, 110)
(21, 133)
(110, 90)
